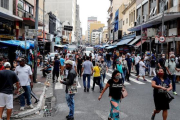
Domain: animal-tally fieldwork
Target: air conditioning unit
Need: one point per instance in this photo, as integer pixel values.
(151, 32)
(135, 23)
(26, 15)
(144, 18)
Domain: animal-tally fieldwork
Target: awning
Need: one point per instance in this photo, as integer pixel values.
(10, 17)
(30, 21)
(139, 43)
(135, 40)
(156, 20)
(124, 42)
(110, 47)
(16, 43)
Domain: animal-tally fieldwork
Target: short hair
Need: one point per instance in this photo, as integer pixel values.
(87, 58)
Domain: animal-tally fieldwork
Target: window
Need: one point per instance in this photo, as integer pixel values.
(174, 3)
(126, 20)
(20, 4)
(172, 24)
(5, 4)
(29, 9)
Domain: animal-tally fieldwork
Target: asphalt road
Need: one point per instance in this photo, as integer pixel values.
(137, 106)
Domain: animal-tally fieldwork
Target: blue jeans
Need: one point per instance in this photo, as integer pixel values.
(103, 76)
(84, 80)
(70, 103)
(124, 75)
(26, 95)
(173, 79)
(108, 63)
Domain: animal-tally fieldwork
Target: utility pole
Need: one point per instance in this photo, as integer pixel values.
(36, 42)
(99, 39)
(141, 18)
(163, 4)
(43, 32)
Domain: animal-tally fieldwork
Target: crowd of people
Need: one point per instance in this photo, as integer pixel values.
(78, 64)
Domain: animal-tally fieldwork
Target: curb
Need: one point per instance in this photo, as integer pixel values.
(34, 110)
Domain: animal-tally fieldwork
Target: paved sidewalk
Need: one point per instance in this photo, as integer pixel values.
(39, 89)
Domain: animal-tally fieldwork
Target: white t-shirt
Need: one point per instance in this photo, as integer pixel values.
(96, 56)
(137, 59)
(23, 74)
(141, 64)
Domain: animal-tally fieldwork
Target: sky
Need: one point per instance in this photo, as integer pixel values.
(96, 8)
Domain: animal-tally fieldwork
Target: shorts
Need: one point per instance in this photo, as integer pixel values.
(6, 100)
(141, 73)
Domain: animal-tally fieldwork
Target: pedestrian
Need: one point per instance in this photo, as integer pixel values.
(8, 78)
(69, 82)
(74, 63)
(46, 69)
(104, 70)
(87, 70)
(115, 86)
(24, 74)
(1, 65)
(108, 58)
(130, 65)
(124, 68)
(56, 68)
(152, 66)
(62, 60)
(79, 65)
(104, 55)
(137, 60)
(161, 85)
(171, 69)
(142, 68)
(97, 77)
(115, 59)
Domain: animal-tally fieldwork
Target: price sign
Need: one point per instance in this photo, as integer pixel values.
(162, 39)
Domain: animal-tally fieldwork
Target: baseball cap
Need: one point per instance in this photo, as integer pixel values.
(21, 59)
(69, 62)
(7, 64)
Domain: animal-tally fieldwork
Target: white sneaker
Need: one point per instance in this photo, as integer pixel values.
(21, 108)
(31, 106)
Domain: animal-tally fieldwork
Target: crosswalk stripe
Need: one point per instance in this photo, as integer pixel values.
(134, 80)
(110, 70)
(141, 79)
(109, 74)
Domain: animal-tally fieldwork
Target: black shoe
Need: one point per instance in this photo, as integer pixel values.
(84, 89)
(67, 116)
(92, 89)
(36, 101)
(70, 118)
(88, 90)
(153, 116)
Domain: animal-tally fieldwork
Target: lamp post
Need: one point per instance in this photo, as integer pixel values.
(43, 33)
(163, 4)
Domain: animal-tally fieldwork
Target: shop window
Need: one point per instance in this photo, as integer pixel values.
(5, 4)
(172, 24)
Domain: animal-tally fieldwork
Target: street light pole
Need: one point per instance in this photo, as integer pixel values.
(43, 33)
(162, 24)
(36, 42)
(141, 30)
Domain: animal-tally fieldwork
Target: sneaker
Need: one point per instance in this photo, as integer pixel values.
(175, 93)
(92, 89)
(88, 90)
(31, 106)
(21, 108)
(67, 116)
(84, 89)
(70, 118)
(137, 79)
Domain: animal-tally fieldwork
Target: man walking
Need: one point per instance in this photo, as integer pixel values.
(87, 68)
(171, 69)
(130, 65)
(56, 68)
(137, 60)
(25, 75)
(8, 78)
(68, 82)
(79, 65)
(108, 60)
(104, 70)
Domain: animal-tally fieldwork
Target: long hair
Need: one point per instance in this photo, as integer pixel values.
(114, 74)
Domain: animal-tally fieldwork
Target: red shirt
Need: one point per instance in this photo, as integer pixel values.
(2, 68)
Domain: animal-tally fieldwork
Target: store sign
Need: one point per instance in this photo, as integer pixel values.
(33, 32)
(7, 37)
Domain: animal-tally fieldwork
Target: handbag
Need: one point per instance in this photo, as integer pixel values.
(20, 91)
(72, 89)
(124, 93)
(169, 97)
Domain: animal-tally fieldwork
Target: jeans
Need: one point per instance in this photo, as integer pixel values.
(137, 68)
(26, 95)
(99, 81)
(128, 75)
(148, 67)
(173, 79)
(103, 76)
(104, 58)
(84, 80)
(108, 63)
(70, 103)
(79, 70)
(124, 75)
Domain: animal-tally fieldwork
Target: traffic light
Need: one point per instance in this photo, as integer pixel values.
(68, 28)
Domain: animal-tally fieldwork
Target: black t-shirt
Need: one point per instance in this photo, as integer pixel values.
(7, 79)
(153, 63)
(79, 62)
(162, 62)
(108, 56)
(115, 89)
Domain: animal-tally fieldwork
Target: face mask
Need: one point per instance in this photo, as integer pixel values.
(102, 61)
(117, 77)
(160, 74)
(163, 56)
(172, 59)
(123, 58)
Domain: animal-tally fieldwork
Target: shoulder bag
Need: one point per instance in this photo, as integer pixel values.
(124, 93)
(169, 97)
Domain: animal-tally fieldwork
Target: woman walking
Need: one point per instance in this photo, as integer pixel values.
(142, 68)
(124, 68)
(115, 87)
(97, 77)
(161, 83)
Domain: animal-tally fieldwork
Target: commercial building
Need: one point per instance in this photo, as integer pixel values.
(90, 20)
(95, 26)
(65, 10)
(78, 26)
(95, 36)
(104, 35)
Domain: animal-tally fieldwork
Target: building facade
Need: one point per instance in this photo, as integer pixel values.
(104, 35)
(90, 20)
(96, 35)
